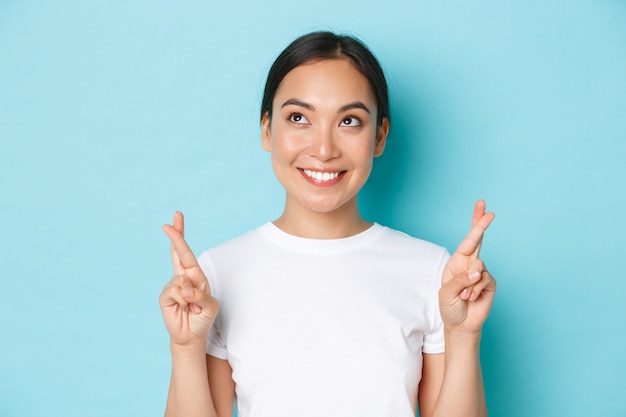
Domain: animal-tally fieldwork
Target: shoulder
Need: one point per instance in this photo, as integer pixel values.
(401, 242)
(234, 247)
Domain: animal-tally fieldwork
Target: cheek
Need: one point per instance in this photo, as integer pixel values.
(362, 147)
(287, 144)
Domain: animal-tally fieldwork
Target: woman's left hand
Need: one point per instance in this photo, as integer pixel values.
(468, 289)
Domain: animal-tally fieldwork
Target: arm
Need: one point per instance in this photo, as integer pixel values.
(189, 393)
(188, 311)
(452, 383)
(430, 384)
(221, 385)
(206, 385)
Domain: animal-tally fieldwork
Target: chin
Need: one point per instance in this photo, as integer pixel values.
(325, 206)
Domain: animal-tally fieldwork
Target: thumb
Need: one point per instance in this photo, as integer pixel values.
(459, 286)
(200, 301)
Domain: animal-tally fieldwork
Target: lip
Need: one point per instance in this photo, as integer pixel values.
(324, 183)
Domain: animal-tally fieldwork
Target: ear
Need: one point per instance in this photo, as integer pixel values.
(266, 134)
(381, 137)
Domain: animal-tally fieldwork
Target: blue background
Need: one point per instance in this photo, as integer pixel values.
(114, 114)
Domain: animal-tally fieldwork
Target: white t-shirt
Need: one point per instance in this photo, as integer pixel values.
(325, 327)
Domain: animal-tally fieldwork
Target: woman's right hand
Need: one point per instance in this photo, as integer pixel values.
(188, 308)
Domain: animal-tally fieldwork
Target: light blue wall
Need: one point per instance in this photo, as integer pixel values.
(114, 114)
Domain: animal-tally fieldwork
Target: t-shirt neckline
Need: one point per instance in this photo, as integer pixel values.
(321, 246)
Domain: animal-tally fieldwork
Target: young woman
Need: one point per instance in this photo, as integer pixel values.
(321, 312)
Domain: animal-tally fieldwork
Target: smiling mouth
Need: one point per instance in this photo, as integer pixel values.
(322, 177)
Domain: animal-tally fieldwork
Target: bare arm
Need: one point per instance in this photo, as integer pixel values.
(430, 385)
(462, 389)
(200, 385)
(452, 383)
(221, 385)
(189, 393)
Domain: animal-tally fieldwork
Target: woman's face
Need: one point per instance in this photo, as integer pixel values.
(323, 134)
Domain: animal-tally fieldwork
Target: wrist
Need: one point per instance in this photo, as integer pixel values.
(463, 337)
(462, 349)
(188, 349)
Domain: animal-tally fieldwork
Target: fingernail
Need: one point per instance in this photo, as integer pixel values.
(464, 294)
(474, 275)
(187, 292)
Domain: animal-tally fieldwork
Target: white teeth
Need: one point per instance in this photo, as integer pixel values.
(321, 176)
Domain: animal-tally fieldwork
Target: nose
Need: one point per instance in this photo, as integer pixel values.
(323, 145)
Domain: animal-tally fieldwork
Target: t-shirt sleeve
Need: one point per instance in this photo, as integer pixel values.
(215, 345)
(434, 341)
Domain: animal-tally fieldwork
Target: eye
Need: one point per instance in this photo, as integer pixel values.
(297, 118)
(350, 121)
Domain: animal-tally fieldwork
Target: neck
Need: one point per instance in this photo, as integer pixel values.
(342, 222)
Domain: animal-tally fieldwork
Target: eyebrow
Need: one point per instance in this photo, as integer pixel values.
(296, 102)
(354, 105)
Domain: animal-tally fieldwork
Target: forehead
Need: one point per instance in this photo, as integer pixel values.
(326, 81)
